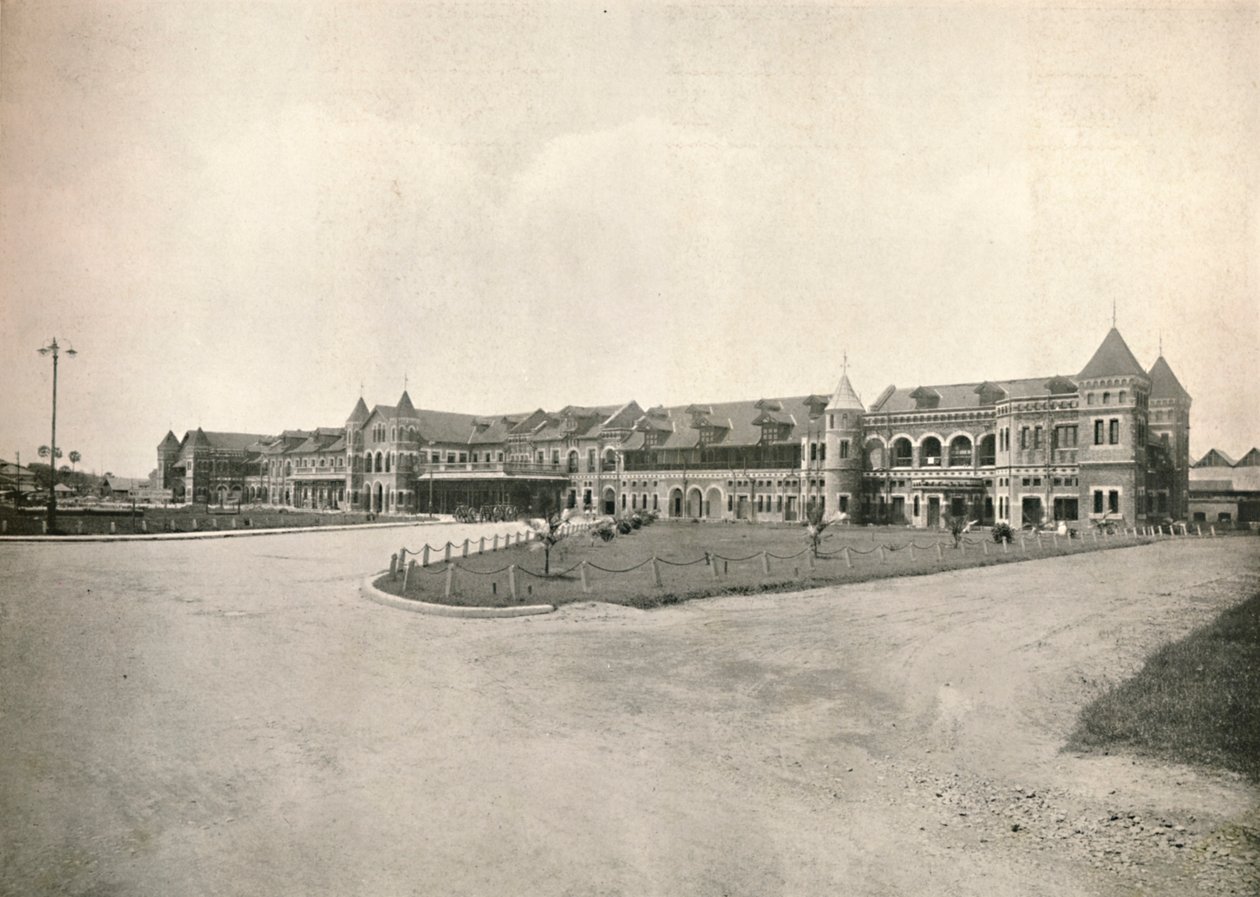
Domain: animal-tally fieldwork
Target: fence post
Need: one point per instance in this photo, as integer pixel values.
(1054, 537)
(1006, 546)
(496, 542)
(1023, 543)
(194, 523)
(586, 587)
(1199, 528)
(447, 557)
(940, 554)
(984, 547)
(402, 557)
(812, 562)
(450, 575)
(407, 575)
(111, 527)
(1094, 533)
(1039, 546)
(424, 555)
(962, 547)
(712, 562)
(144, 526)
(464, 550)
(481, 549)
(881, 554)
(765, 563)
(393, 566)
(512, 580)
(1212, 528)
(656, 572)
(848, 559)
(912, 552)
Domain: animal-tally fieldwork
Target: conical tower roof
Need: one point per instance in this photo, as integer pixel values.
(1164, 383)
(170, 441)
(1113, 359)
(405, 406)
(845, 398)
(360, 412)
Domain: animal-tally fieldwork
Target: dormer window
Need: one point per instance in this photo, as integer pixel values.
(925, 398)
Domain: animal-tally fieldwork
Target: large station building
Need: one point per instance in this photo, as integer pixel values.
(1111, 441)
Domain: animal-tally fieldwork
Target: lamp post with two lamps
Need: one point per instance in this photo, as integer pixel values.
(55, 350)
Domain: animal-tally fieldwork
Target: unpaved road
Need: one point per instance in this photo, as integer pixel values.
(233, 718)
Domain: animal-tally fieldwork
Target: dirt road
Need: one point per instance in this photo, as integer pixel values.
(232, 718)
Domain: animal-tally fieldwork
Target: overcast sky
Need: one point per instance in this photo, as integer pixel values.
(238, 213)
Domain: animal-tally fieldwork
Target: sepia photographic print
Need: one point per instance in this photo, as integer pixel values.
(701, 449)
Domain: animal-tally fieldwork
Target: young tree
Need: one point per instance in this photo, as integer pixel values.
(957, 524)
(815, 525)
(548, 530)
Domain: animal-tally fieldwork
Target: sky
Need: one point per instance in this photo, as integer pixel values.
(243, 215)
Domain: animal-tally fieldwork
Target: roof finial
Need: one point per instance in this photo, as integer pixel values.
(404, 381)
(1161, 342)
(360, 389)
(1113, 311)
(845, 364)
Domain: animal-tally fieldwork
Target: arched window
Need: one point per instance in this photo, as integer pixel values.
(930, 452)
(388, 457)
(1106, 398)
(902, 452)
(988, 454)
(960, 452)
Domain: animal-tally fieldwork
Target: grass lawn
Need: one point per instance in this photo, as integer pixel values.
(621, 571)
(1194, 701)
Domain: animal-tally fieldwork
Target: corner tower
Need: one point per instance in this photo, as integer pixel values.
(1170, 429)
(354, 460)
(843, 471)
(167, 453)
(1113, 396)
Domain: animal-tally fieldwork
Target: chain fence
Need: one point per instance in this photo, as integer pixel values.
(515, 582)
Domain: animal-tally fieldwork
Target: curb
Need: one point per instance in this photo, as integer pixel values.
(372, 593)
(214, 534)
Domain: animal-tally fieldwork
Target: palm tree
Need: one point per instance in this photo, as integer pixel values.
(52, 467)
(75, 458)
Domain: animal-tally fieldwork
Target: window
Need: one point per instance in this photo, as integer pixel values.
(1122, 394)
(831, 421)
(1036, 437)
(1113, 502)
(1023, 437)
(1098, 501)
(1089, 398)
(1106, 398)
(844, 448)
(822, 451)
(1114, 434)
(813, 451)
(1098, 432)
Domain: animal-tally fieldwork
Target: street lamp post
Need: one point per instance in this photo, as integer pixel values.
(55, 349)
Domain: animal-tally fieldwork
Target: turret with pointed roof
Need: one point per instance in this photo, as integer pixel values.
(1170, 426)
(842, 451)
(1112, 359)
(1164, 383)
(359, 414)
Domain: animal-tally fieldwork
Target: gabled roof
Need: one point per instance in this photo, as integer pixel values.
(1112, 359)
(169, 441)
(964, 395)
(1251, 459)
(728, 424)
(232, 442)
(1214, 458)
(1164, 383)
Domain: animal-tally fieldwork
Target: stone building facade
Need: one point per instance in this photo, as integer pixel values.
(1109, 443)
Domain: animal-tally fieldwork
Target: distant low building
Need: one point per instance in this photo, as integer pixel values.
(121, 488)
(1223, 490)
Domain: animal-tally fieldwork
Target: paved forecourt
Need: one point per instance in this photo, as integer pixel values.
(231, 716)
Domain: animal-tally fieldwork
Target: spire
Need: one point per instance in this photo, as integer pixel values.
(1164, 383)
(404, 405)
(1113, 359)
(845, 398)
(360, 412)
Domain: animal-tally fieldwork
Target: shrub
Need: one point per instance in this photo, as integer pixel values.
(605, 530)
(1002, 532)
(624, 527)
(636, 521)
